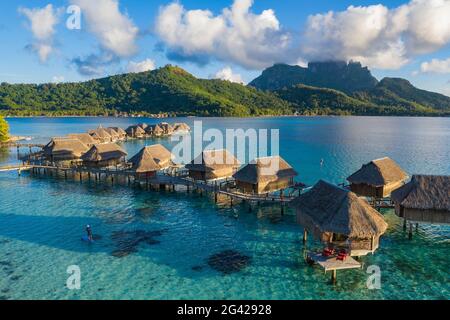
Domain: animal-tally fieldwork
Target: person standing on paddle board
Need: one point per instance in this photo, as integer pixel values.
(89, 233)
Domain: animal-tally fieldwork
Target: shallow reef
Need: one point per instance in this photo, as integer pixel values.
(127, 242)
(229, 261)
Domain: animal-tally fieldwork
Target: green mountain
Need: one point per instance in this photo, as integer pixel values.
(341, 88)
(169, 89)
(342, 76)
(400, 92)
(322, 88)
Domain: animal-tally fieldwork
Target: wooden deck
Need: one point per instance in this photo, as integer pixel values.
(331, 263)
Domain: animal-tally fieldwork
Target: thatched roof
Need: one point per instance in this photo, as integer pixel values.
(266, 169)
(166, 127)
(329, 208)
(100, 134)
(103, 152)
(181, 127)
(64, 146)
(152, 158)
(379, 173)
(135, 129)
(112, 132)
(210, 160)
(155, 129)
(119, 130)
(143, 125)
(424, 192)
(85, 138)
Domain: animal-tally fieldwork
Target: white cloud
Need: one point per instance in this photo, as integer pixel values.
(436, 66)
(114, 30)
(236, 35)
(57, 79)
(42, 22)
(142, 66)
(227, 74)
(378, 36)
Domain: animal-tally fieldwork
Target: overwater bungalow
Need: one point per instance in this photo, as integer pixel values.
(150, 160)
(425, 198)
(85, 138)
(154, 130)
(377, 178)
(122, 133)
(265, 175)
(213, 165)
(339, 218)
(167, 128)
(63, 149)
(113, 133)
(104, 155)
(135, 131)
(101, 135)
(181, 128)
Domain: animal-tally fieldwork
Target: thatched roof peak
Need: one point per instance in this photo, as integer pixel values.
(181, 127)
(119, 130)
(112, 132)
(424, 192)
(135, 129)
(102, 152)
(265, 169)
(100, 133)
(210, 160)
(378, 173)
(329, 208)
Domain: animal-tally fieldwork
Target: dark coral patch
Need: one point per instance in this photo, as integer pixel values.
(229, 261)
(127, 242)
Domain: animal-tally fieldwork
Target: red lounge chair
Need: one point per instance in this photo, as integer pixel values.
(327, 252)
(342, 255)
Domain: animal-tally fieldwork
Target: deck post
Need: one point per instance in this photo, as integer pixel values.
(417, 227)
(81, 176)
(333, 277)
(89, 176)
(65, 174)
(305, 236)
(410, 231)
(282, 209)
(404, 224)
(112, 179)
(215, 197)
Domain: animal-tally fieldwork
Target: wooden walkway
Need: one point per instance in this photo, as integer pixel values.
(112, 175)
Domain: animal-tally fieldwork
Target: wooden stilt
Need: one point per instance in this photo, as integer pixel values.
(333, 277)
(305, 236)
(417, 227)
(410, 231)
(404, 224)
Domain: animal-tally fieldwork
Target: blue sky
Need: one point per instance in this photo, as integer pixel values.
(409, 39)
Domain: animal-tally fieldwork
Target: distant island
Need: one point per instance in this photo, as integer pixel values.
(323, 88)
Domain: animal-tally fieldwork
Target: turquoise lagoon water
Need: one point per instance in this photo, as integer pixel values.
(158, 245)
